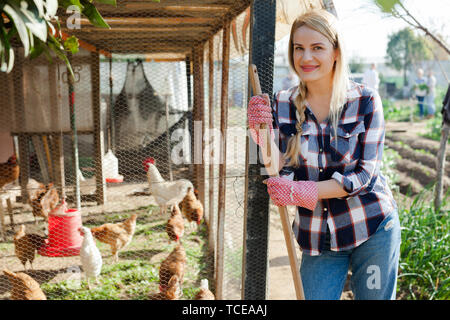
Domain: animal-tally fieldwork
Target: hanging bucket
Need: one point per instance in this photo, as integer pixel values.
(64, 240)
(111, 168)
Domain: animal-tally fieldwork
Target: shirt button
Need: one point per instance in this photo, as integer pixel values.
(320, 150)
(320, 170)
(325, 209)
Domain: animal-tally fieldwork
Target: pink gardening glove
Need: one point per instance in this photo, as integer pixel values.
(259, 112)
(284, 192)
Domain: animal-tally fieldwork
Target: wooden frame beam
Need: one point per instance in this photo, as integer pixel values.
(223, 164)
(99, 149)
(199, 121)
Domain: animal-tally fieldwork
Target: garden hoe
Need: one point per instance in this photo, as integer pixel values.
(288, 237)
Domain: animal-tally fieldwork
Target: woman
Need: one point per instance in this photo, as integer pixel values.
(331, 137)
(420, 90)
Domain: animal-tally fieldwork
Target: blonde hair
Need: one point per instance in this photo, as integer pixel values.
(325, 23)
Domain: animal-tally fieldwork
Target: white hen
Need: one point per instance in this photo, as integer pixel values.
(166, 193)
(90, 256)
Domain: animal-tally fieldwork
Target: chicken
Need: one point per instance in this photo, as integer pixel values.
(117, 235)
(191, 207)
(90, 256)
(26, 245)
(166, 193)
(24, 287)
(175, 225)
(173, 265)
(34, 189)
(204, 293)
(173, 291)
(9, 171)
(44, 201)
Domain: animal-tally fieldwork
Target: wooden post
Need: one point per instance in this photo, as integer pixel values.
(58, 164)
(2, 221)
(100, 181)
(24, 154)
(56, 141)
(262, 44)
(190, 120)
(11, 213)
(73, 127)
(222, 165)
(211, 183)
(199, 122)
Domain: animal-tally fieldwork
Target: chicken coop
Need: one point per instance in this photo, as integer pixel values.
(147, 147)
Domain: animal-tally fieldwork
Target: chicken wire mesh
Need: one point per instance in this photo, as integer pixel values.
(117, 195)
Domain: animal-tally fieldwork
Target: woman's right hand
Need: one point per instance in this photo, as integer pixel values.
(259, 112)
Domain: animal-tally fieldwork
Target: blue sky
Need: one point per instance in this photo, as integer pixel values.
(366, 29)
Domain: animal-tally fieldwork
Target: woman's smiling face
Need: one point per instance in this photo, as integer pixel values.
(313, 54)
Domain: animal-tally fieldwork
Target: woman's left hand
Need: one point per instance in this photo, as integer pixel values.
(284, 192)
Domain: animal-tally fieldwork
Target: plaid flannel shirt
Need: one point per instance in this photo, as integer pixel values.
(353, 160)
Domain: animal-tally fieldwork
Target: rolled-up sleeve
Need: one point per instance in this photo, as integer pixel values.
(363, 177)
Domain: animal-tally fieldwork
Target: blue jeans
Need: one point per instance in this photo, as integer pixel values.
(374, 266)
(420, 101)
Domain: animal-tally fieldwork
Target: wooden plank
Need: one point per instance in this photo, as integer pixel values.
(73, 127)
(19, 109)
(11, 213)
(147, 21)
(222, 166)
(2, 221)
(154, 34)
(211, 220)
(57, 155)
(98, 130)
(199, 122)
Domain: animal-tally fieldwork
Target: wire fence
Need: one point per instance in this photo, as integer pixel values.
(120, 187)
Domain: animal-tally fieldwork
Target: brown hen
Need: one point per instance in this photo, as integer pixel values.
(24, 287)
(191, 207)
(173, 265)
(26, 245)
(175, 225)
(9, 171)
(117, 235)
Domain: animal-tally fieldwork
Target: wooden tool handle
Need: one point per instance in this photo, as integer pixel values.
(288, 237)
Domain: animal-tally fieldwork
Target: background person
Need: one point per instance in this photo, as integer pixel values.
(371, 78)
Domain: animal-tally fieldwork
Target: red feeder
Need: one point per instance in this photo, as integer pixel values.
(64, 240)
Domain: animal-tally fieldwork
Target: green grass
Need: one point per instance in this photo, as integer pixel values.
(135, 276)
(425, 251)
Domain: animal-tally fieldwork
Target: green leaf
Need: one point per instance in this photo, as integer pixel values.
(111, 2)
(6, 53)
(55, 46)
(91, 12)
(386, 5)
(67, 3)
(19, 25)
(30, 16)
(40, 6)
(71, 44)
(51, 6)
(37, 49)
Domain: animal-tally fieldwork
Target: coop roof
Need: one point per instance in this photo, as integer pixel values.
(169, 29)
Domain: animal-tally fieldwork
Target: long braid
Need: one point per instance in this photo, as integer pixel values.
(294, 143)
